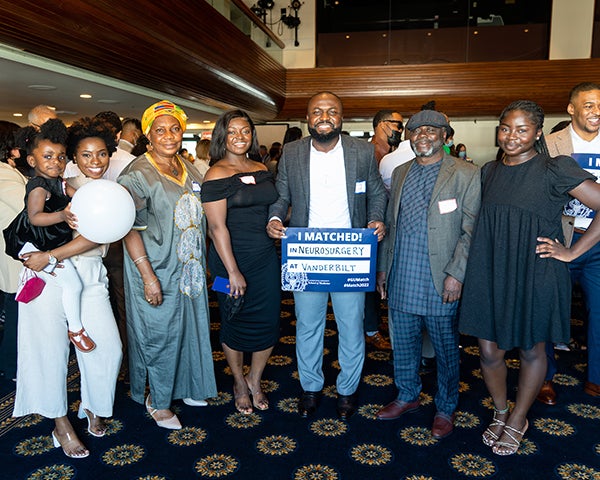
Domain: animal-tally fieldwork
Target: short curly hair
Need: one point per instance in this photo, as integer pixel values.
(28, 138)
(87, 127)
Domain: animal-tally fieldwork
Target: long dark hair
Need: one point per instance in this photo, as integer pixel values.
(218, 144)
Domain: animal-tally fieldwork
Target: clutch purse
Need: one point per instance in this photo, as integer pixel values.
(30, 286)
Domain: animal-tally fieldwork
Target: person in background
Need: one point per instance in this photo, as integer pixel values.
(236, 195)
(292, 134)
(40, 114)
(165, 273)
(314, 178)
(43, 350)
(12, 186)
(132, 130)
(517, 288)
(202, 162)
(263, 153)
(274, 156)
(387, 132)
(461, 152)
(433, 206)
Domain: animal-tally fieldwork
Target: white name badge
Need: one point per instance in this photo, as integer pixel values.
(248, 180)
(361, 187)
(195, 186)
(447, 206)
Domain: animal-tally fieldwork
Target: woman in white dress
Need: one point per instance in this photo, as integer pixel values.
(43, 344)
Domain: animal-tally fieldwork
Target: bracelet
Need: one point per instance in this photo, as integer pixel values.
(140, 259)
(151, 283)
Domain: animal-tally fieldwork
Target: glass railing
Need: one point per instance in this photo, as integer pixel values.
(240, 15)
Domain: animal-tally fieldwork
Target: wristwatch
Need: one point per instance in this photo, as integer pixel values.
(52, 260)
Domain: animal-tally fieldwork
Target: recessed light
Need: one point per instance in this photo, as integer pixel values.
(17, 114)
(85, 95)
(205, 121)
(42, 87)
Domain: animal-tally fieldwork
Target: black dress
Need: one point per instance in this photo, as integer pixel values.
(256, 326)
(21, 231)
(512, 296)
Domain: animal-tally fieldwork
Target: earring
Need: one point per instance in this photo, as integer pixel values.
(537, 138)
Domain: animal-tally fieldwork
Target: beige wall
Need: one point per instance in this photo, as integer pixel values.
(567, 42)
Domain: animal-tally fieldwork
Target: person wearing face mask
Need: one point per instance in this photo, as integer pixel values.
(461, 152)
(387, 132)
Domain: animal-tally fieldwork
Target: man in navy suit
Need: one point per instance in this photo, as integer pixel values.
(329, 180)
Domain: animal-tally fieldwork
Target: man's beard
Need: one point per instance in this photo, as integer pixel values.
(434, 148)
(324, 137)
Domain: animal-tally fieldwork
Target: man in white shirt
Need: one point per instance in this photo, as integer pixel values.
(329, 180)
(581, 140)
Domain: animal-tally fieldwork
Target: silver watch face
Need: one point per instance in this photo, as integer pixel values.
(52, 259)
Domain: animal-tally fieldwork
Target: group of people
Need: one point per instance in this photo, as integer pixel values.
(489, 240)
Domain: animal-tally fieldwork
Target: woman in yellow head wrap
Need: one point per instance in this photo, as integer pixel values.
(166, 298)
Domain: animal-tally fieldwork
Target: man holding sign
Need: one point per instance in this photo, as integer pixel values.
(434, 202)
(582, 142)
(329, 180)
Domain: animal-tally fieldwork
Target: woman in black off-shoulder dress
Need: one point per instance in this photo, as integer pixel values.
(236, 195)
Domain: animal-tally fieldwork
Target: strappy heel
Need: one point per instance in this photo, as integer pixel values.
(489, 438)
(90, 415)
(82, 341)
(57, 444)
(513, 446)
(171, 423)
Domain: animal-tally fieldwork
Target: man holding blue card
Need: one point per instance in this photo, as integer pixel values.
(582, 142)
(328, 180)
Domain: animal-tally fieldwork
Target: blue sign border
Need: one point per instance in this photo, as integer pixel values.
(329, 259)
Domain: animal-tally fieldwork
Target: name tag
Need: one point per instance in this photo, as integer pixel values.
(195, 186)
(248, 180)
(447, 206)
(361, 187)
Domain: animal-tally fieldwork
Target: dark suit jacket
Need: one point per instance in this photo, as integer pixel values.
(293, 183)
(449, 234)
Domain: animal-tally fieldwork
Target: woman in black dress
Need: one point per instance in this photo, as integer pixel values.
(517, 288)
(236, 195)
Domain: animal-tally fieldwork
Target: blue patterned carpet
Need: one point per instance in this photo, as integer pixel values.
(563, 441)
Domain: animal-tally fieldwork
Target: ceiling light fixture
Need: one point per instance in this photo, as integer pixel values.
(17, 114)
(85, 95)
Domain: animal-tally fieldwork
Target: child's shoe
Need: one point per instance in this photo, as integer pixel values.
(82, 341)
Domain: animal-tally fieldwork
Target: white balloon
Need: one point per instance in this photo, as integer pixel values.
(105, 211)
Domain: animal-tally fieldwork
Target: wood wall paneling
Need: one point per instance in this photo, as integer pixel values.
(465, 90)
(182, 48)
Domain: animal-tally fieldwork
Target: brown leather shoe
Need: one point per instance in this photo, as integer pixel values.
(592, 389)
(394, 410)
(346, 406)
(81, 340)
(547, 394)
(443, 425)
(378, 342)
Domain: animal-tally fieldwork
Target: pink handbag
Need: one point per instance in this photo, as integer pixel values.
(30, 286)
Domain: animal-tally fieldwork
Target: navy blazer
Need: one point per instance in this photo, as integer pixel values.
(293, 183)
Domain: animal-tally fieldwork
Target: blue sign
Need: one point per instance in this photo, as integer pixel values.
(329, 259)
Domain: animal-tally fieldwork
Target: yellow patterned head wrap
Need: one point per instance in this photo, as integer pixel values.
(163, 107)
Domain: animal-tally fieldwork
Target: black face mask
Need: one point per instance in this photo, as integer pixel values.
(394, 139)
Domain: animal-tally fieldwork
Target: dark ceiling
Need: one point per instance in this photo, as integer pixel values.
(368, 15)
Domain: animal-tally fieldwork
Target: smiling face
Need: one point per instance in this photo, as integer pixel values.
(48, 159)
(427, 142)
(165, 135)
(239, 136)
(584, 109)
(517, 134)
(92, 157)
(324, 117)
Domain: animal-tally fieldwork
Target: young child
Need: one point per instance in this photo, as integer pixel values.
(42, 225)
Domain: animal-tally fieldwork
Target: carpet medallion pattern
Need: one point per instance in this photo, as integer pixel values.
(217, 442)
